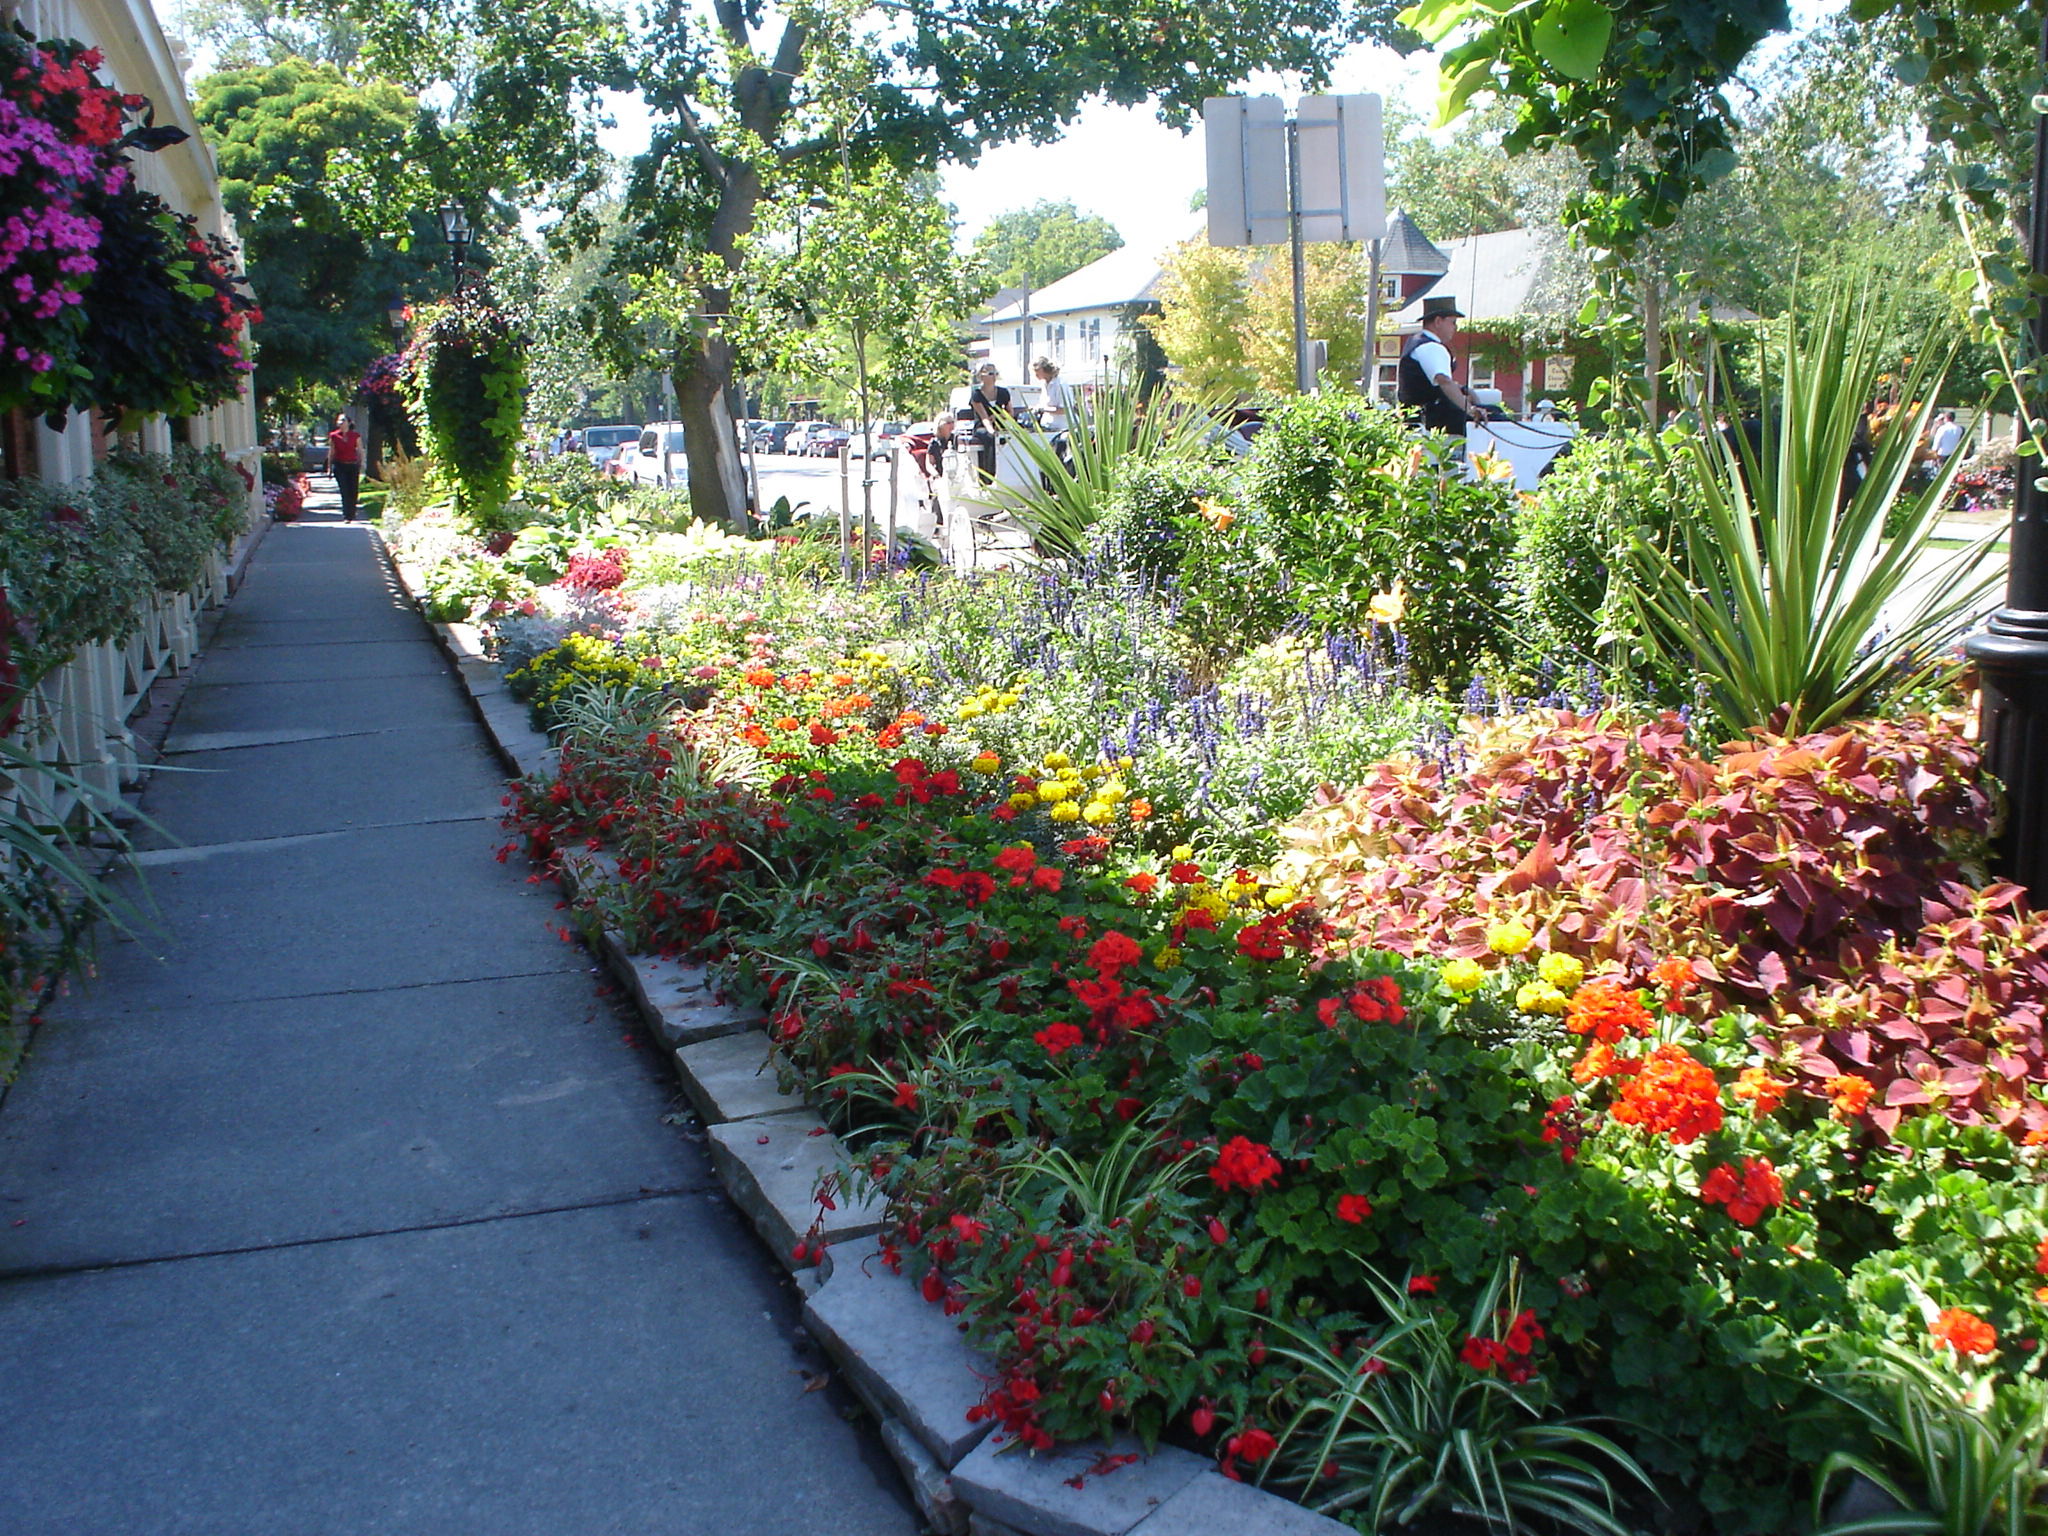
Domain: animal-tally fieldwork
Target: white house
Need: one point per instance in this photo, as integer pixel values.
(1078, 322)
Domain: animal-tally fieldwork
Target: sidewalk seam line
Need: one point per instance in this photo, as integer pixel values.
(102, 1266)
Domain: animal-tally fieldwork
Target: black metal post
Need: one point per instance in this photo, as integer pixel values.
(2012, 651)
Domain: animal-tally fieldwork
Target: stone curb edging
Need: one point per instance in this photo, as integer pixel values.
(905, 1359)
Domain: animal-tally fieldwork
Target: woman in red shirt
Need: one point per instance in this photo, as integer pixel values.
(345, 459)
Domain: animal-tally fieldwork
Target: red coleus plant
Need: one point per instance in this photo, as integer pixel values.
(1820, 882)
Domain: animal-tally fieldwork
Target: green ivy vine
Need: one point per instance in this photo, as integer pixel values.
(465, 380)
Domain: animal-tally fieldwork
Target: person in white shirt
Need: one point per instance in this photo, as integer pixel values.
(1948, 436)
(1425, 382)
(1055, 413)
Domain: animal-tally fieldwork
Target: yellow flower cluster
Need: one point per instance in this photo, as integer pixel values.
(1557, 975)
(1089, 795)
(989, 700)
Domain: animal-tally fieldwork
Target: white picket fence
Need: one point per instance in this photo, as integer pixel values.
(78, 719)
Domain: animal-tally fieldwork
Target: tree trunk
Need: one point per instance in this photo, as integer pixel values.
(710, 441)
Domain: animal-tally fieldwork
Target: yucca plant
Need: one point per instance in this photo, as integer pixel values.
(1413, 1428)
(1785, 595)
(1959, 1454)
(1119, 425)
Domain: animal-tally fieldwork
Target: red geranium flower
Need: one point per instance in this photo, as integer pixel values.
(1242, 1163)
(1112, 952)
(1019, 860)
(1422, 1285)
(1059, 1038)
(1144, 884)
(1964, 1332)
(906, 1096)
(1353, 1208)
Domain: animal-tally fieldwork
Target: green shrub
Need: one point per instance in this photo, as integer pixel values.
(1349, 506)
(177, 537)
(1569, 537)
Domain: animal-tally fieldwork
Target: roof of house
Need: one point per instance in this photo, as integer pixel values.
(1405, 249)
(1492, 277)
(1124, 276)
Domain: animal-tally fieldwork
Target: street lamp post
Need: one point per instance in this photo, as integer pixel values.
(2012, 651)
(455, 229)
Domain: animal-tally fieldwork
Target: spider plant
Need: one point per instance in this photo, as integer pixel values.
(1785, 595)
(1410, 1429)
(1958, 1455)
(1119, 425)
(1124, 1181)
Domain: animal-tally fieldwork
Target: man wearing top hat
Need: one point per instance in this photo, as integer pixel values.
(1425, 382)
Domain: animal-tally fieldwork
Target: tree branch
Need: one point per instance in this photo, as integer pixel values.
(707, 155)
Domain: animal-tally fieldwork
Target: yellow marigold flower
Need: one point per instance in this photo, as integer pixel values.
(971, 711)
(1167, 958)
(1540, 997)
(987, 762)
(1124, 763)
(1563, 972)
(1054, 761)
(1464, 975)
(1388, 607)
(1093, 772)
(1280, 896)
(1007, 700)
(1055, 791)
(1066, 810)
(1182, 852)
(1023, 800)
(1096, 814)
(1509, 938)
(1113, 790)
(1070, 775)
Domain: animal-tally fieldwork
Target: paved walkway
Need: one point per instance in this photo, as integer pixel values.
(345, 1203)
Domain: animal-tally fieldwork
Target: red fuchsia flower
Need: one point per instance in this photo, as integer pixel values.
(1219, 1234)
(1254, 1445)
(905, 1096)
(1142, 883)
(1202, 1420)
(1353, 1208)
(1242, 1163)
(968, 1230)
(1058, 1039)
(1964, 1332)
(1422, 1285)
(1191, 1287)
(1748, 1195)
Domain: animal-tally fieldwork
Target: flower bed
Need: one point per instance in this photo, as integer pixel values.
(1187, 1157)
(1632, 1123)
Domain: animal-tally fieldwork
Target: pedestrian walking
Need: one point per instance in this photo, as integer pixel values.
(345, 461)
(1948, 436)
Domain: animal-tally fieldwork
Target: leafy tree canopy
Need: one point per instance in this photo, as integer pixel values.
(1031, 247)
(291, 140)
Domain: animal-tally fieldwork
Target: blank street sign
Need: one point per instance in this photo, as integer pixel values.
(1343, 168)
(1246, 139)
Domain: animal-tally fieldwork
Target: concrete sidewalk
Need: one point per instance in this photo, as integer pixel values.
(345, 1203)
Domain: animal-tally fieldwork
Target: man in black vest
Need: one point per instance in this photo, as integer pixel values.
(1425, 384)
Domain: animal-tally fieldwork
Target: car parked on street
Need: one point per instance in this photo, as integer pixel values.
(600, 443)
(772, 436)
(658, 458)
(882, 438)
(620, 465)
(825, 440)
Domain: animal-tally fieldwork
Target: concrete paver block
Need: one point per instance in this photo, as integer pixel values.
(730, 1077)
(937, 1500)
(905, 1354)
(771, 1168)
(1037, 1493)
(1213, 1505)
(981, 1525)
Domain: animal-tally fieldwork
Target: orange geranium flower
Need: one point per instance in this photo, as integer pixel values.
(1851, 1094)
(1600, 1062)
(1676, 977)
(1674, 1095)
(1607, 1011)
(1964, 1332)
(1757, 1084)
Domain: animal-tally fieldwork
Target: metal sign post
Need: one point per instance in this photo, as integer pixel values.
(1319, 175)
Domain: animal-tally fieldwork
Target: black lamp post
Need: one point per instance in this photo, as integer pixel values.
(395, 309)
(2012, 651)
(455, 229)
